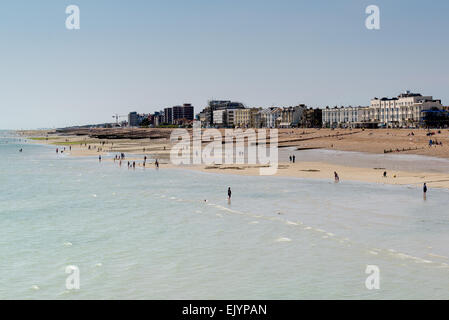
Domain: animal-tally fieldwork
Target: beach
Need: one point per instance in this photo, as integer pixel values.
(366, 153)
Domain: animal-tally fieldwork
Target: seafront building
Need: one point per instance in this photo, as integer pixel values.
(344, 116)
(273, 117)
(207, 115)
(405, 110)
(177, 115)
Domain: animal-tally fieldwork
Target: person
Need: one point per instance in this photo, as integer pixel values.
(290, 158)
(134, 164)
(20, 150)
(424, 189)
(337, 178)
(157, 164)
(229, 193)
(99, 158)
(294, 158)
(57, 151)
(385, 174)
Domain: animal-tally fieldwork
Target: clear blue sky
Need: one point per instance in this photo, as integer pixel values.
(142, 55)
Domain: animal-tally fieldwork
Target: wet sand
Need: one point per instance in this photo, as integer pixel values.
(319, 152)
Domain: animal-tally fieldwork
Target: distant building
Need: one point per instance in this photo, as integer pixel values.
(342, 116)
(219, 118)
(405, 110)
(178, 114)
(168, 115)
(133, 119)
(158, 118)
(311, 118)
(213, 105)
(185, 111)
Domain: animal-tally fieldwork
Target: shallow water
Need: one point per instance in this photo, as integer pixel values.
(404, 162)
(148, 234)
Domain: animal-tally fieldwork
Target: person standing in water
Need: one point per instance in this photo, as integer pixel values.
(337, 178)
(424, 189)
(99, 158)
(229, 193)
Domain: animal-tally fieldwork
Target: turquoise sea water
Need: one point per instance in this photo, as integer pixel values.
(148, 234)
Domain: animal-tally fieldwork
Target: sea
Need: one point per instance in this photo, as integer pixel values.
(173, 234)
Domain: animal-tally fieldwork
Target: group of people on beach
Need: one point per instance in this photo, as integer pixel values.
(62, 151)
(132, 164)
(435, 143)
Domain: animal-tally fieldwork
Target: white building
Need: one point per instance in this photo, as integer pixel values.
(343, 117)
(405, 110)
(219, 117)
(270, 116)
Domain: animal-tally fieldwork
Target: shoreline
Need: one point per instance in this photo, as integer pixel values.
(324, 171)
(320, 170)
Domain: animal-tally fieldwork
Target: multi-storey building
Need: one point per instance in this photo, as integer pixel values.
(271, 117)
(168, 115)
(405, 110)
(342, 117)
(219, 117)
(178, 114)
(208, 112)
(242, 118)
(133, 119)
(311, 118)
(255, 118)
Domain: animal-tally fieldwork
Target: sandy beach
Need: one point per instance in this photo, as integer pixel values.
(380, 142)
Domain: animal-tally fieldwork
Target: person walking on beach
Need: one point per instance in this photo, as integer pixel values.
(337, 178)
(229, 193)
(290, 158)
(157, 164)
(294, 158)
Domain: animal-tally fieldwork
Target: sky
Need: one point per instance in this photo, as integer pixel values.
(143, 55)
